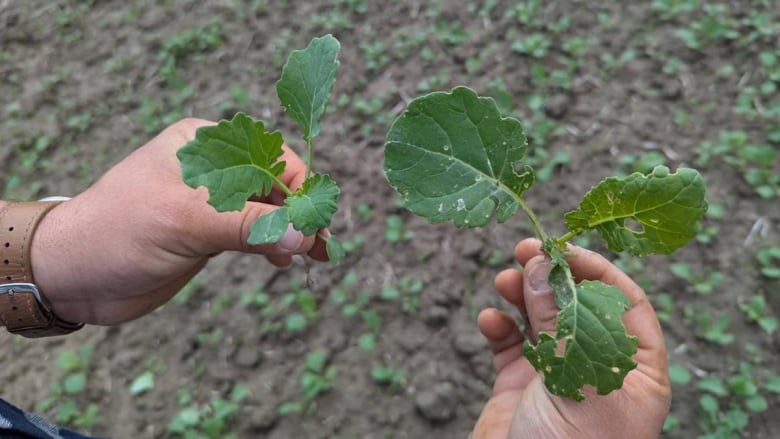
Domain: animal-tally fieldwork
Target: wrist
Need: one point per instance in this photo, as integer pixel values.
(50, 267)
(24, 310)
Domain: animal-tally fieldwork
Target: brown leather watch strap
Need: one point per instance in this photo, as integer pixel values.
(23, 309)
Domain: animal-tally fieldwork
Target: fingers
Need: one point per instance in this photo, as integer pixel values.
(506, 343)
(531, 294)
(294, 170)
(503, 336)
(229, 231)
(538, 296)
(527, 249)
(509, 284)
(319, 250)
(280, 261)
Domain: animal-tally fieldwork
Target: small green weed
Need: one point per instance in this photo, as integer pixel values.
(62, 403)
(197, 40)
(209, 420)
(317, 378)
(407, 292)
(757, 310)
(708, 326)
(388, 376)
(726, 405)
(769, 258)
(396, 230)
(702, 284)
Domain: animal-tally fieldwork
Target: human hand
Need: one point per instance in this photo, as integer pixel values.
(132, 240)
(521, 406)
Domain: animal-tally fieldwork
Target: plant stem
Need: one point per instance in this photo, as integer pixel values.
(567, 237)
(281, 185)
(532, 216)
(308, 156)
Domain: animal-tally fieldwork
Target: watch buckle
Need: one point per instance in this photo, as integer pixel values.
(20, 287)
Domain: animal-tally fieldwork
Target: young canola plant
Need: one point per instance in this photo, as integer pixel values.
(453, 156)
(239, 159)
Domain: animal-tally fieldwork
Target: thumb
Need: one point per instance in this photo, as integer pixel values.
(230, 231)
(538, 296)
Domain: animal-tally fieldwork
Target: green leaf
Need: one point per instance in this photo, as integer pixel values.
(452, 156)
(234, 160)
(74, 383)
(772, 384)
(142, 383)
(312, 206)
(290, 408)
(756, 404)
(269, 228)
(679, 374)
(335, 249)
(597, 349)
(68, 361)
(713, 385)
(316, 360)
(295, 322)
(367, 342)
(307, 82)
(657, 213)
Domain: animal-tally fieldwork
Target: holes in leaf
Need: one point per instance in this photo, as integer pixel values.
(634, 226)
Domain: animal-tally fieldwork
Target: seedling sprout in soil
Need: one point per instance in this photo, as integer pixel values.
(453, 156)
(239, 159)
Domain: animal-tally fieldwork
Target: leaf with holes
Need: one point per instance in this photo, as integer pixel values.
(452, 156)
(596, 348)
(663, 208)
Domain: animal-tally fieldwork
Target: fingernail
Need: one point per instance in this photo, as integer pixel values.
(537, 278)
(291, 241)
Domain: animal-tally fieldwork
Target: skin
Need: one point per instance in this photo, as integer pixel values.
(131, 241)
(521, 407)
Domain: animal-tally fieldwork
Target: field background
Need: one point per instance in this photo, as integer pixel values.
(385, 344)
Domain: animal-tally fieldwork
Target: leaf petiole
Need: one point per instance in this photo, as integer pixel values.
(287, 191)
(568, 236)
(537, 225)
(309, 156)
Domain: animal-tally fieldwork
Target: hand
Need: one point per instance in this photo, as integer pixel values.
(131, 241)
(521, 406)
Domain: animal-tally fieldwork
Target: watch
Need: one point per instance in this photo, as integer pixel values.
(23, 307)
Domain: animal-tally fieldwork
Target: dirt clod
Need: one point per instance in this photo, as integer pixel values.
(437, 404)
